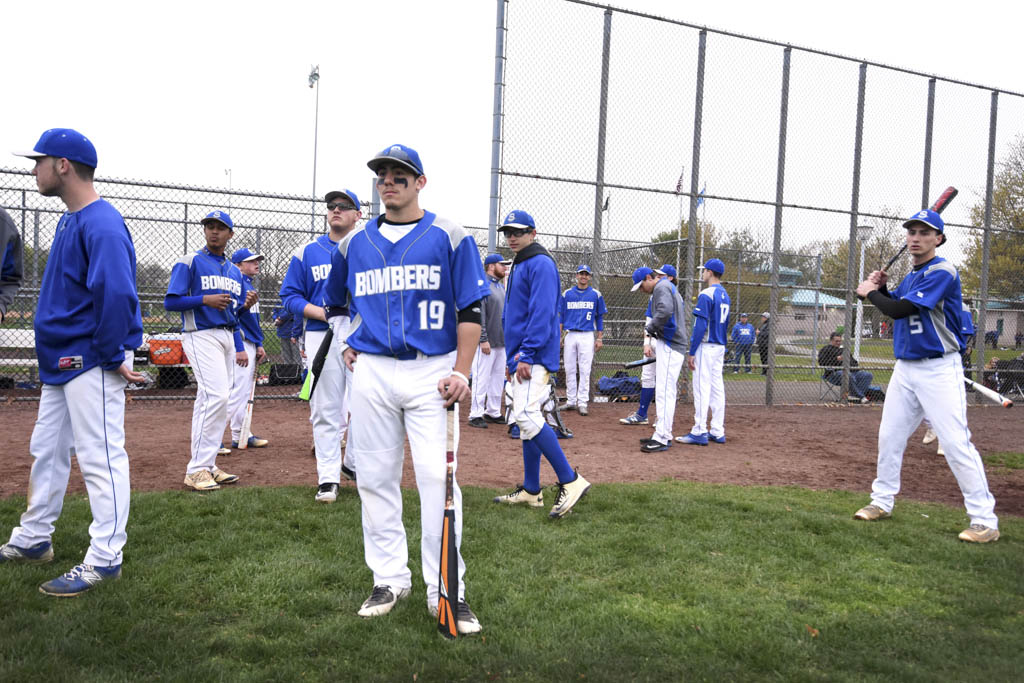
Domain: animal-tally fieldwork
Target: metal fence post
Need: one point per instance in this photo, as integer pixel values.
(184, 232)
(496, 121)
(374, 200)
(35, 250)
(817, 299)
(928, 127)
(854, 208)
(780, 181)
(987, 236)
(601, 130)
(698, 117)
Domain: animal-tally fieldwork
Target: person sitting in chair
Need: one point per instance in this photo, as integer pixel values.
(831, 356)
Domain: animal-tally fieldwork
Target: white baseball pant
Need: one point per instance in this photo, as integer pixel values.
(211, 353)
(528, 400)
(932, 388)
(392, 399)
(328, 406)
(488, 380)
(667, 368)
(579, 353)
(709, 390)
(241, 386)
(84, 418)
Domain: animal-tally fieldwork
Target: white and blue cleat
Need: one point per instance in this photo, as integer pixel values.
(695, 439)
(716, 439)
(79, 579)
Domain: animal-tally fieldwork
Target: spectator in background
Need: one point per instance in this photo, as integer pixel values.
(743, 336)
(284, 321)
(831, 355)
(1017, 339)
(10, 262)
(762, 341)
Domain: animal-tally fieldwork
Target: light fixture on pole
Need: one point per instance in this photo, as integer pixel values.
(863, 234)
(314, 78)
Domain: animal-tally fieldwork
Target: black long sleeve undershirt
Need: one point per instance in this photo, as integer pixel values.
(894, 308)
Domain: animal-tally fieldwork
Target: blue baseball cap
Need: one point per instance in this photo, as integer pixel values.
(584, 268)
(639, 275)
(397, 154)
(518, 219)
(244, 254)
(715, 266)
(63, 143)
(931, 219)
(334, 194)
(667, 269)
(494, 258)
(221, 216)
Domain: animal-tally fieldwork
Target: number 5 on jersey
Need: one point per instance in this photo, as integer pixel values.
(431, 315)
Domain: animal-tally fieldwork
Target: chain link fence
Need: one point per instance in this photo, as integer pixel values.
(646, 140)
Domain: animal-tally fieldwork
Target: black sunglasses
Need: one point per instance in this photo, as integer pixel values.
(516, 232)
(340, 205)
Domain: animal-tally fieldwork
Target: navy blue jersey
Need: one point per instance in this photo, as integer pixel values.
(743, 333)
(530, 318)
(582, 310)
(200, 273)
(88, 311)
(249, 320)
(404, 296)
(934, 288)
(305, 282)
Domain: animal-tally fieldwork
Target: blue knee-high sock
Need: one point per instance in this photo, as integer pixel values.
(646, 396)
(547, 442)
(531, 466)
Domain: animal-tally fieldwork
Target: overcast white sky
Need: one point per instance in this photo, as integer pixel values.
(181, 92)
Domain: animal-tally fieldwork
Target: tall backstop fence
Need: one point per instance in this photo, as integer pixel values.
(649, 140)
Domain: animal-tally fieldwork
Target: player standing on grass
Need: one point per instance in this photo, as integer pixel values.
(209, 292)
(927, 380)
(248, 360)
(531, 350)
(87, 327)
(707, 353)
(582, 316)
(303, 292)
(415, 283)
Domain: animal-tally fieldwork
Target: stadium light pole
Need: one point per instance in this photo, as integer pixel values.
(314, 78)
(863, 234)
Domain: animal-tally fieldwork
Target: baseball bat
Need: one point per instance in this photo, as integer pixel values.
(448, 569)
(638, 363)
(317, 366)
(940, 204)
(243, 436)
(989, 394)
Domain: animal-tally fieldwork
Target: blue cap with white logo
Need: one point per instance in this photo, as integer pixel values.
(518, 219)
(244, 254)
(335, 194)
(221, 216)
(930, 219)
(63, 143)
(667, 269)
(397, 154)
(639, 275)
(715, 266)
(494, 258)
(583, 269)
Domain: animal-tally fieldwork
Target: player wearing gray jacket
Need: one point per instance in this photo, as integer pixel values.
(10, 263)
(489, 362)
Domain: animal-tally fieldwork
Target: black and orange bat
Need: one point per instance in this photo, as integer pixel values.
(448, 571)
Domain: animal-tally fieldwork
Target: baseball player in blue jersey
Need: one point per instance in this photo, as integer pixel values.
(670, 350)
(581, 314)
(284, 321)
(489, 362)
(87, 327)
(743, 336)
(303, 292)
(707, 353)
(531, 351)
(414, 282)
(209, 292)
(927, 380)
(10, 262)
(648, 373)
(248, 360)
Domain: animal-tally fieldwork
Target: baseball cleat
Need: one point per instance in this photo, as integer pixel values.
(717, 439)
(254, 442)
(349, 474)
(80, 579)
(224, 450)
(633, 419)
(327, 493)
(871, 513)
(979, 533)
(222, 477)
(694, 439)
(568, 495)
(513, 432)
(465, 620)
(477, 422)
(643, 441)
(40, 553)
(582, 409)
(654, 446)
(939, 450)
(521, 495)
(494, 420)
(382, 600)
(201, 481)
(929, 436)
(569, 406)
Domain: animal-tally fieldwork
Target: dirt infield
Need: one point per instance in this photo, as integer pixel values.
(815, 447)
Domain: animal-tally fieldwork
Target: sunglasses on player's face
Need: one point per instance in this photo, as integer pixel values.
(516, 232)
(340, 206)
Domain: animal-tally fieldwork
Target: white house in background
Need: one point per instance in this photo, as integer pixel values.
(806, 306)
(1002, 321)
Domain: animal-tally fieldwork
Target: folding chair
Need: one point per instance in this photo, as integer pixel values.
(829, 391)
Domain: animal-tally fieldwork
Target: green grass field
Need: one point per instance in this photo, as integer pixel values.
(666, 581)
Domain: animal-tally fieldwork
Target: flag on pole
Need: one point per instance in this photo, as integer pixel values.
(679, 185)
(700, 197)
(606, 200)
